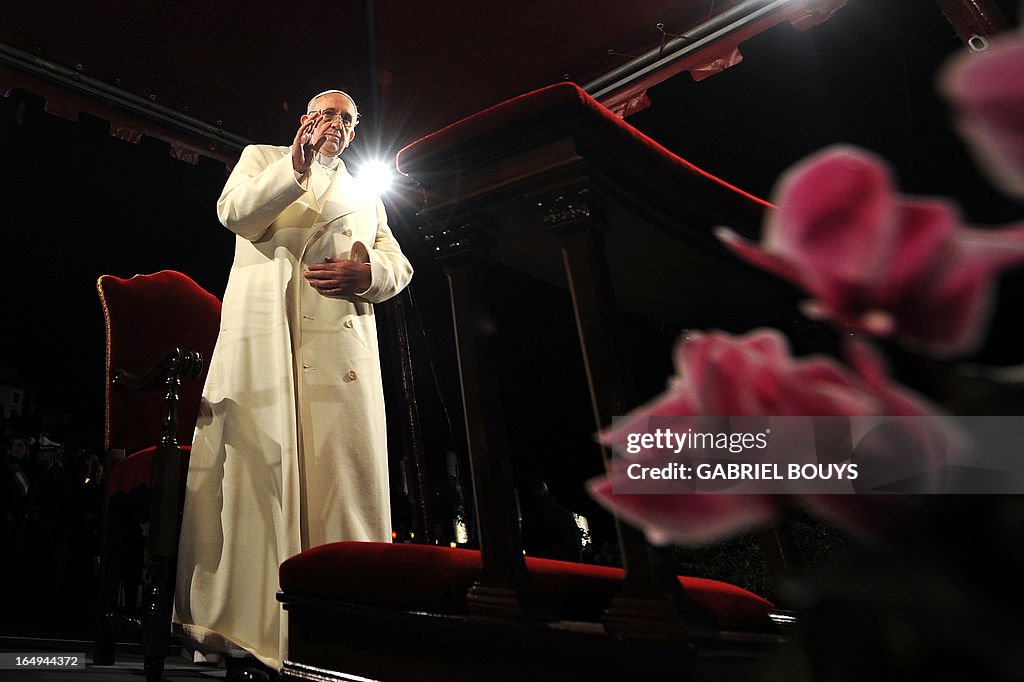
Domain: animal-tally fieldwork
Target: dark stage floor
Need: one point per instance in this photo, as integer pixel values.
(128, 666)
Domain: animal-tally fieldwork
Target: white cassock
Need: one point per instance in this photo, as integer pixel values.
(290, 448)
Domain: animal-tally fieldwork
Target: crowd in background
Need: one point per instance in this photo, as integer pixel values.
(50, 502)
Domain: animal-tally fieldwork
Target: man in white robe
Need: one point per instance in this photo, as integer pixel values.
(290, 448)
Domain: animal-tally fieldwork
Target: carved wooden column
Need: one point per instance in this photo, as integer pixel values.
(651, 600)
(164, 516)
(503, 589)
(412, 436)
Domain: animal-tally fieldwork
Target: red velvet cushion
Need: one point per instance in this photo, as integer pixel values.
(568, 100)
(147, 316)
(136, 471)
(435, 579)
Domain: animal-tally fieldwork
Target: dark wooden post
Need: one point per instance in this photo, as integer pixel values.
(165, 519)
(503, 589)
(651, 601)
(412, 436)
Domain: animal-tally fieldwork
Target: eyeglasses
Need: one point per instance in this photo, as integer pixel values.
(331, 114)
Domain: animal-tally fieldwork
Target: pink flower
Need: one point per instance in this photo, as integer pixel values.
(987, 88)
(749, 376)
(876, 261)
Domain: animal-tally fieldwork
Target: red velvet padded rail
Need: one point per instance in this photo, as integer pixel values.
(559, 99)
(435, 579)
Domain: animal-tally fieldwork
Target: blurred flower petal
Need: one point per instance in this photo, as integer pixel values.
(721, 376)
(839, 201)
(987, 88)
(877, 262)
(898, 401)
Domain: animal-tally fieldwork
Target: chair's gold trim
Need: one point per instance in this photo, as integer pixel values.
(106, 387)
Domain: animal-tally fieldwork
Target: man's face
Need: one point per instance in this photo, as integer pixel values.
(19, 448)
(335, 134)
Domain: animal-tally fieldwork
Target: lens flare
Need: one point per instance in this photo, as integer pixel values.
(376, 176)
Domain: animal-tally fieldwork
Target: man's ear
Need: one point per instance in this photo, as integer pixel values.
(303, 118)
(351, 135)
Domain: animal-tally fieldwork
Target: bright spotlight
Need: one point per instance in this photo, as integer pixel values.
(375, 176)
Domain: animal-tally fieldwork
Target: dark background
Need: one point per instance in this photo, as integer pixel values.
(78, 203)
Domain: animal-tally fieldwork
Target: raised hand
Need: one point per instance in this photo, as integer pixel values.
(303, 147)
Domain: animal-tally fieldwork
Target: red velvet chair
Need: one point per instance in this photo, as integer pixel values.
(160, 330)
